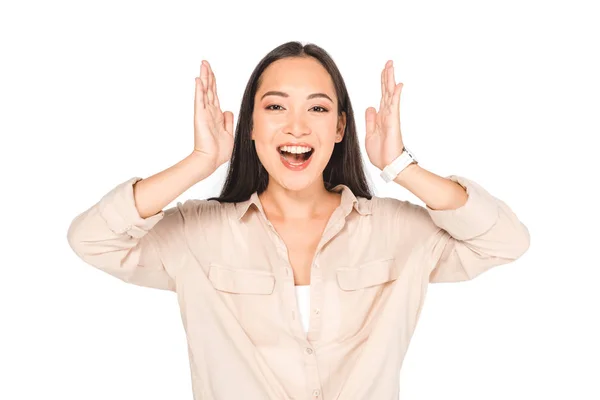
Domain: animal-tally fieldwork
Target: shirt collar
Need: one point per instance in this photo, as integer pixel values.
(349, 201)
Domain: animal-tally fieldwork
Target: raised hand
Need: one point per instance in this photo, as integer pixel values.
(383, 140)
(213, 129)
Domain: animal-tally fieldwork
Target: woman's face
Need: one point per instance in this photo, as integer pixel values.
(296, 103)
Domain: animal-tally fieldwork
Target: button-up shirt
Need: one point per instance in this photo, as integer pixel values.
(235, 286)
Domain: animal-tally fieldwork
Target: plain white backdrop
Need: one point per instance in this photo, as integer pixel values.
(504, 93)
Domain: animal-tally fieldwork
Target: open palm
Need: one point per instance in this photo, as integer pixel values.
(213, 129)
(383, 140)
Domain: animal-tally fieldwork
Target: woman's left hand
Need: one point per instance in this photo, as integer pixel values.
(383, 140)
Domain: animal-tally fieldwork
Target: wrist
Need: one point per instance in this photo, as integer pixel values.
(398, 165)
(407, 174)
(202, 166)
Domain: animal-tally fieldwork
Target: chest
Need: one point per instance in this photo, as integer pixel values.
(301, 241)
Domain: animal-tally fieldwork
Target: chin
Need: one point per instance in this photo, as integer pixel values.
(295, 180)
(295, 185)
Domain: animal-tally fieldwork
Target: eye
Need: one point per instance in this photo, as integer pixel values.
(273, 105)
(319, 109)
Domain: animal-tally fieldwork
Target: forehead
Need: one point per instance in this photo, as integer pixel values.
(296, 74)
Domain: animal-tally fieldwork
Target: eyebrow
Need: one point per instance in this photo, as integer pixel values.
(283, 94)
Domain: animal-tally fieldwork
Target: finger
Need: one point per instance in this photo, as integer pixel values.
(391, 82)
(370, 120)
(209, 93)
(383, 100)
(214, 89)
(397, 91)
(204, 76)
(386, 78)
(228, 116)
(382, 84)
(389, 67)
(199, 96)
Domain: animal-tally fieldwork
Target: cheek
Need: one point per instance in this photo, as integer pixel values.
(262, 119)
(266, 154)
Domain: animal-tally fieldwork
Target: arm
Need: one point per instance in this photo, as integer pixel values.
(123, 233)
(465, 228)
(436, 192)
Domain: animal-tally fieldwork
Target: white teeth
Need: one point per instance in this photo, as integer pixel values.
(295, 149)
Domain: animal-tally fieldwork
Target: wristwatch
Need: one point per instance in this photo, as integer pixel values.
(391, 171)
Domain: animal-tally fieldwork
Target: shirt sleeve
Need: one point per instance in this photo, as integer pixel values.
(464, 242)
(112, 237)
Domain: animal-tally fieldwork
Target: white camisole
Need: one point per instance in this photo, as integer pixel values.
(303, 297)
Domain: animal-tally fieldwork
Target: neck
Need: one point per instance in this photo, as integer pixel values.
(312, 202)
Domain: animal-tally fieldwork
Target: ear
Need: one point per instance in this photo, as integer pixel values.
(341, 128)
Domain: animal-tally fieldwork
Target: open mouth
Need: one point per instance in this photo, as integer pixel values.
(295, 158)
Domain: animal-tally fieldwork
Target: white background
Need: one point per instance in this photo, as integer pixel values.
(504, 93)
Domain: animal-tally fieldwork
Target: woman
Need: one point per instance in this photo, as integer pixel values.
(296, 213)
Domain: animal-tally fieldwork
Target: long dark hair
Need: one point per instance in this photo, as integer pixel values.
(246, 174)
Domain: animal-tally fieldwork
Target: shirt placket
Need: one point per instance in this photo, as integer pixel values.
(306, 340)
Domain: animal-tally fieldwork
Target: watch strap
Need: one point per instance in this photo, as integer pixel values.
(391, 171)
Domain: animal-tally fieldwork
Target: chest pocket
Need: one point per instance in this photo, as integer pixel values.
(251, 294)
(361, 290)
(241, 281)
(369, 274)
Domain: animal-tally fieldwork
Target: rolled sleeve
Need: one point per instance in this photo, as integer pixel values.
(113, 237)
(464, 242)
(118, 209)
(473, 218)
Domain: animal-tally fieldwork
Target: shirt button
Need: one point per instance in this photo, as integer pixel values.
(309, 350)
(317, 265)
(316, 393)
(317, 311)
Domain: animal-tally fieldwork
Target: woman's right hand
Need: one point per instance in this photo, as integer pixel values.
(213, 129)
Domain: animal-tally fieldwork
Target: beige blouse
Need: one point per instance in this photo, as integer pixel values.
(235, 286)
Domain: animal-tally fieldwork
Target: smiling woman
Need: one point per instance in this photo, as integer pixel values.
(296, 213)
(295, 96)
(303, 92)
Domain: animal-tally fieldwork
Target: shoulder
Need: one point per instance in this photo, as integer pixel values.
(206, 210)
(404, 216)
(391, 207)
(191, 217)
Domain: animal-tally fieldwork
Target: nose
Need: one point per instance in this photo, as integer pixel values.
(297, 125)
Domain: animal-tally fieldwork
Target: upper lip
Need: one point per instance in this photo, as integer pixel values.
(295, 144)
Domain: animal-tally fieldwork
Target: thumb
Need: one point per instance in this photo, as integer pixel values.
(397, 91)
(228, 117)
(370, 114)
